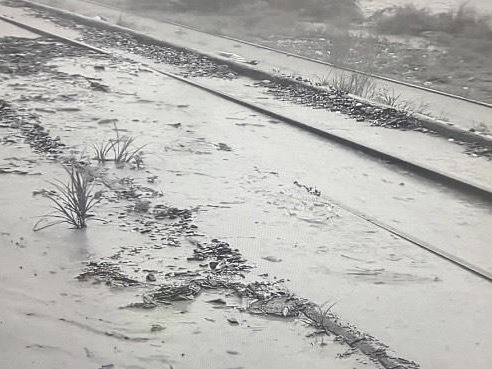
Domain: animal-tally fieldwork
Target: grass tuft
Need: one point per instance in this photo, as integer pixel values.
(102, 150)
(125, 152)
(391, 98)
(319, 316)
(355, 84)
(123, 149)
(71, 201)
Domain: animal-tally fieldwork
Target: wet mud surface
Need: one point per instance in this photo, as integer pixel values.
(293, 89)
(220, 268)
(168, 243)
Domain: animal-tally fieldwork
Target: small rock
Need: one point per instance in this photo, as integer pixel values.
(151, 277)
(233, 321)
(156, 328)
(217, 302)
(272, 259)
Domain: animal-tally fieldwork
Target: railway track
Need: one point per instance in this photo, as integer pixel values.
(445, 178)
(452, 116)
(297, 56)
(423, 171)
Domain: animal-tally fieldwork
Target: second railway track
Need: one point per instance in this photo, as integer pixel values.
(298, 56)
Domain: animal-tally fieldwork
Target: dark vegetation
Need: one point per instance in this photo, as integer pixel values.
(71, 201)
(451, 51)
(122, 147)
(310, 8)
(464, 22)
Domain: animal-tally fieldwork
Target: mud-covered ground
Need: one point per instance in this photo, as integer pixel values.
(132, 202)
(419, 61)
(217, 249)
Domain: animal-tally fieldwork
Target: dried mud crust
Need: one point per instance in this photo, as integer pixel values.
(294, 89)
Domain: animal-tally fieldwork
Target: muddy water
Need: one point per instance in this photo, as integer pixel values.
(49, 320)
(482, 6)
(247, 197)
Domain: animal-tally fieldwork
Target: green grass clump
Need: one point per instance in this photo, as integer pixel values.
(122, 148)
(320, 315)
(71, 201)
(102, 150)
(354, 83)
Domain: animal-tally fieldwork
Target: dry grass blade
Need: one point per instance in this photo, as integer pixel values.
(72, 201)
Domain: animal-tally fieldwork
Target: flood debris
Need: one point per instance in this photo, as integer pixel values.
(265, 298)
(223, 147)
(221, 257)
(339, 101)
(272, 259)
(157, 328)
(97, 86)
(30, 128)
(191, 64)
(312, 190)
(23, 56)
(161, 211)
(281, 306)
(107, 273)
(142, 205)
(222, 267)
(178, 291)
(151, 277)
(233, 321)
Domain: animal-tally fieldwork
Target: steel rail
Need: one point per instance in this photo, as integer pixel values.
(423, 171)
(427, 122)
(302, 57)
